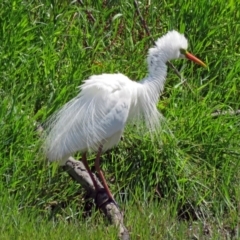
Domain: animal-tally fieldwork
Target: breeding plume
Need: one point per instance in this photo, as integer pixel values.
(95, 119)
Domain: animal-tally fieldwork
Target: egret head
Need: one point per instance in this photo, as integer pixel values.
(172, 45)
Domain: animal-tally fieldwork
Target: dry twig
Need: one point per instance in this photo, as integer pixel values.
(90, 16)
(230, 112)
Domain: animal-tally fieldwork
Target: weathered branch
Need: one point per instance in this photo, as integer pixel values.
(78, 172)
(230, 112)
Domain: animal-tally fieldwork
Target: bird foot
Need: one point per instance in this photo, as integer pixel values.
(102, 198)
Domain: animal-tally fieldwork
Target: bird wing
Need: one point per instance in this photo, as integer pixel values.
(98, 112)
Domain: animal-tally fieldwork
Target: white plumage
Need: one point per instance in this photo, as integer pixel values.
(96, 116)
(95, 119)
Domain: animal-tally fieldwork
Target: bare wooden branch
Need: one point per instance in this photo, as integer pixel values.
(111, 210)
(230, 112)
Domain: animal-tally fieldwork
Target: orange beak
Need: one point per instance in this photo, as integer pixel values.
(194, 59)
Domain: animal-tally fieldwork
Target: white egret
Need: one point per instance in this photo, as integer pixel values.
(95, 119)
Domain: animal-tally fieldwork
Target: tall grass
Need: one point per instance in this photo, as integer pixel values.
(48, 48)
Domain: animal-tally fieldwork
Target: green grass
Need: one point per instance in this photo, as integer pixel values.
(48, 47)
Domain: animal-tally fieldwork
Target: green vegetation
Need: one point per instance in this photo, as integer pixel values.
(48, 47)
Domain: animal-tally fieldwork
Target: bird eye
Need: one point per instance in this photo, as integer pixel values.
(183, 51)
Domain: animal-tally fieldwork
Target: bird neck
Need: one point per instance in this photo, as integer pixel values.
(155, 81)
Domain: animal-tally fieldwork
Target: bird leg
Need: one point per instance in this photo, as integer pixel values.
(84, 161)
(101, 176)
